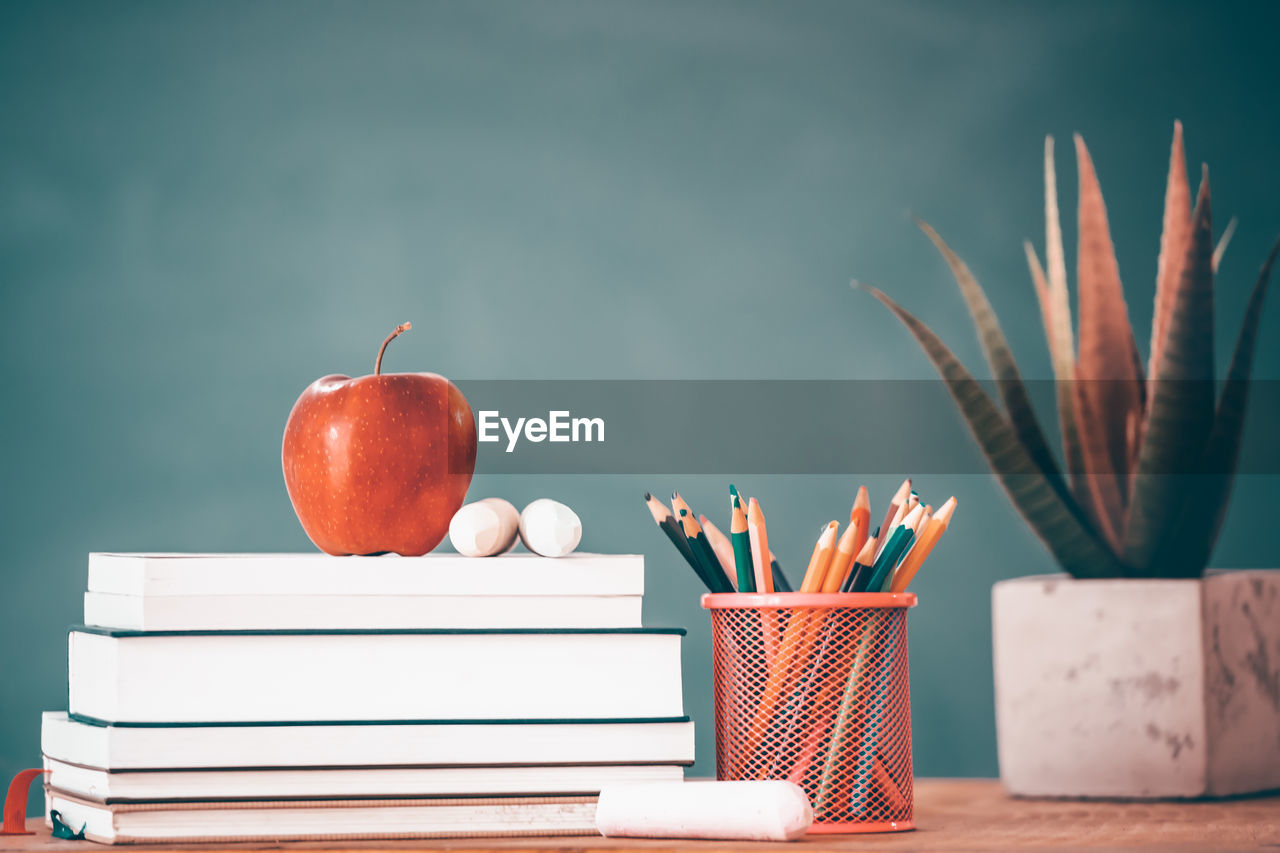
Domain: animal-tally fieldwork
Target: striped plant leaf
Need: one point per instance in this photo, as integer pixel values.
(1056, 258)
(1041, 285)
(1187, 552)
(1098, 479)
(1062, 346)
(995, 346)
(1108, 374)
(1180, 414)
(1173, 248)
(1064, 370)
(1050, 515)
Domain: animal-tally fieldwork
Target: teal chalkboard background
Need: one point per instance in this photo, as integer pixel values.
(204, 206)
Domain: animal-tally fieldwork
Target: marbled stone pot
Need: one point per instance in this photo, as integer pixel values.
(1138, 688)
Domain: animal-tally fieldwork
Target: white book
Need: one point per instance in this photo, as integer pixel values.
(339, 820)
(424, 743)
(102, 786)
(354, 612)
(270, 676)
(322, 574)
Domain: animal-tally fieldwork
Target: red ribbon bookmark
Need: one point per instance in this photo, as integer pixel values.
(15, 802)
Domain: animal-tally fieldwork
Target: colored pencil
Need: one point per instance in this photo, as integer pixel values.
(891, 553)
(895, 524)
(741, 541)
(821, 559)
(759, 547)
(723, 549)
(924, 545)
(899, 498)
(780, 582)
(861, 516)
(668, 524)
(861, 572)
(842, 559)
(699, 545)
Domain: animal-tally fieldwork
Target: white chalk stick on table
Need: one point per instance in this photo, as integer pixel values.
(747, 811)
(484, 528)
(550, 528)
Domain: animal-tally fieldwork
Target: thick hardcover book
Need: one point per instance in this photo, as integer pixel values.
(284, 676)
(322, 574)
(369, 744)
(336, 820)
(143, 786)
(356, 612)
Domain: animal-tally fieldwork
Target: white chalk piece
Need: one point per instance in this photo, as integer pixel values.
(550, 528)
(747, 811)
(484, 528)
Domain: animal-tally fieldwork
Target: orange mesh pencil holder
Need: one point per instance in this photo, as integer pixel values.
(813, 688)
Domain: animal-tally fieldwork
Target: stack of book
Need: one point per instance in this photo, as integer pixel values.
(280, 696)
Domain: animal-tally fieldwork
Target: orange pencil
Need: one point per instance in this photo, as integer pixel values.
(929, 538)
(759, 547)
(842, 560)
(724, 550)
(821, 559)
(861, 516)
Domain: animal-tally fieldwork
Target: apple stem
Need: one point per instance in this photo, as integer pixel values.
(395, 333)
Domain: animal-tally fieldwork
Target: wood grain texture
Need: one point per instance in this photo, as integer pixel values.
(951, 814)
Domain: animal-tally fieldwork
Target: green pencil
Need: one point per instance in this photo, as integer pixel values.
(700, 546)
(780, 582)
(889, 557)
(668, 524)
(892, 552)
(741, 543)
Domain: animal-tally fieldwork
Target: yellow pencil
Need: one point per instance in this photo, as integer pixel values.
(842, 560)
(759, 547)
(723, 548)
(928, 539)
(821, 559)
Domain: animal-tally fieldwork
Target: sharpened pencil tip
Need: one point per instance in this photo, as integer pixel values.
(647, 497)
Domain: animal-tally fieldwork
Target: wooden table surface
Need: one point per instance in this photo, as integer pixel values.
(951, 814)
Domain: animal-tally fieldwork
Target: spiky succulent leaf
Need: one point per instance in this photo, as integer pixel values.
(1061, 335)
(1109, 385)
(1173, 247)
(1064, 380)
(1180, 413)
(1003, 366)
(1042, 294)
(1187, 551)
(1063, 340)
(1097, 477)
(1055, 304)
(1070, 541)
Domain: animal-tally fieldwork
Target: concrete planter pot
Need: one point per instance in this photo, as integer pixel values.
(1138, 688)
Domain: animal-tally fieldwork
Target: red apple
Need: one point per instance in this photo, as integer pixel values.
(379, 463)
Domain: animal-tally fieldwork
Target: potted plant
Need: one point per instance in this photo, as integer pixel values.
(1135, 674)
